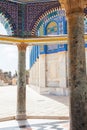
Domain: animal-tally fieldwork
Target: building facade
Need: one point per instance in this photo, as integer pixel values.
(25, 20)
(49, 63)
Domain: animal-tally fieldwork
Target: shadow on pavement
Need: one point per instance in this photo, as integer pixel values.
(62, 99)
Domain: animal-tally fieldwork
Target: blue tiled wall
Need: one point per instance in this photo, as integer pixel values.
(37, 50)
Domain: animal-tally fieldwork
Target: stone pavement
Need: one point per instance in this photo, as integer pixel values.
(33, 124)
(38, 106)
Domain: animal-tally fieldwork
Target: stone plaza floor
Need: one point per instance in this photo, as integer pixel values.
(45, 112)
(36, 105)
(35, 124)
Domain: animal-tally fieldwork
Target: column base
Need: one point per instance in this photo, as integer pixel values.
(21, 116)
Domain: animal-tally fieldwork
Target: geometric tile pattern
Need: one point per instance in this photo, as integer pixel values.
(24, 17)
(85, 11)
(6, 24)
(35, 124)
(36, 11)
(46, 16)
(10, 11)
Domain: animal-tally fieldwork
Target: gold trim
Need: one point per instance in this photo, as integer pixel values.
(35, 40)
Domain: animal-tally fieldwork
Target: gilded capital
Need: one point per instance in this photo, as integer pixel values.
(22, 46)
(73, 6)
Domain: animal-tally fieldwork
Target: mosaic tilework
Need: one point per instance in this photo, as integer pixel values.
(85, 11)
(52, 28)
(35, 10)
(30, 1)
(48, 15)
(6, 24)
(10, 12)
(25, 19)
(35, 125)
(21, 20)
(85, 24)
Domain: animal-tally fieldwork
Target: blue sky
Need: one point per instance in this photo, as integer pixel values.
(9, 55)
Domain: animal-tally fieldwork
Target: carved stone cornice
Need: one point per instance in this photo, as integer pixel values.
(22, 46)
(73, 6)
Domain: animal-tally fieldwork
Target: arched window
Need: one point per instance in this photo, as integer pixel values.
(52, 28)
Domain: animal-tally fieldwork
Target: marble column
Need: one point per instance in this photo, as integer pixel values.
(77, 65)
(21, 89)
(77, 73)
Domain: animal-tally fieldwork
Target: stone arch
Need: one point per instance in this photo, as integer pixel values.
(45, 17)
(7, 22)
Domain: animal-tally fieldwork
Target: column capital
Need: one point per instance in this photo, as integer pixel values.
(73, 6)
(22, 46)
